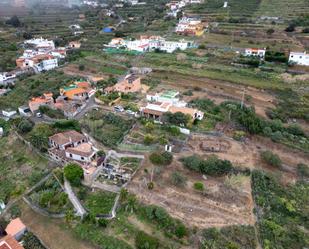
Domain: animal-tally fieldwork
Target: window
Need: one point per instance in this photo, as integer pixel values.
(82, 158)
(71, 155)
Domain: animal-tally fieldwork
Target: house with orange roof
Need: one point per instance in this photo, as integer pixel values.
(16, 228)
(256, 52)
(46, 99)
(8, 242)
(71, 146)
(80, 91)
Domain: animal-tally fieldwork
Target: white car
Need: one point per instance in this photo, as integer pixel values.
(119, 108)
(130, 112)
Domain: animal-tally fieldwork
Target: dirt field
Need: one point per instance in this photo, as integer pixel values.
(73, 70)
(48, 229)
(247, 154)
(220, 206)
(218, 91)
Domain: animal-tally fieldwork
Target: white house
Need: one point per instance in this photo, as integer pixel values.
(83, 152)
(41, 43)
(299, 58)
(6, 76)
(257, 52)
(71, 145)
(8, 113)
(24, 111)
(47, 65)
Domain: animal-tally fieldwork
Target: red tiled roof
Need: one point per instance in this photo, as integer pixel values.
(15, 226)
(8, 242)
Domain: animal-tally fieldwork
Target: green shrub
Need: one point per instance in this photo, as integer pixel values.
(149, 139)
(198, 186)
(73, 173)
(160, 158)
(303, 170)
(212, 166)
(276, 136)
(270, 158)
(295, 130)
(25, 126)
(178, 179)
(145, 241)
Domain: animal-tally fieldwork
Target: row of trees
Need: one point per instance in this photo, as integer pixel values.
(211, 166)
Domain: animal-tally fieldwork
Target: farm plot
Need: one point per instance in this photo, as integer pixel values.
(108, 129)
(20, 168)
(51, 197)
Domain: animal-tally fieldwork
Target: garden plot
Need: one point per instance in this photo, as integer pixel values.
(107, 128)
(51, 197)
(117, 169)
(20, 167)
(147, 136)
(96, 202)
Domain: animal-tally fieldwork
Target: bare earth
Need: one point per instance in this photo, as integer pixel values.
(48, 229)
(220, 206)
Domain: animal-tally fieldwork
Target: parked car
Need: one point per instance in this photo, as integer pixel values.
(118, 108)
(130, 112)
(39, 115)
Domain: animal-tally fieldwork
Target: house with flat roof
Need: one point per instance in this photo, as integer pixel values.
(299, 58)
(256, 52)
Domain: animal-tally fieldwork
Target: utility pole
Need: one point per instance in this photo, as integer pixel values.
(243, 98)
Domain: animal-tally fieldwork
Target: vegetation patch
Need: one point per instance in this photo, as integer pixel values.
(108, 128)
(282, 212)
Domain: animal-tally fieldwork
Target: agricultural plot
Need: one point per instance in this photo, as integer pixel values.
(20, 167)
(51, 197)
(108, 129)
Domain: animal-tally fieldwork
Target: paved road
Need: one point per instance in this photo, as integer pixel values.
(91, 104)
(80, 211)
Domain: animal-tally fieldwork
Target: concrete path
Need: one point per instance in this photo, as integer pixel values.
(80, 211)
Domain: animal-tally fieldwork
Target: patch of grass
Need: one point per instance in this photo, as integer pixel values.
(107, 128)
(20, 167)
(100, 202)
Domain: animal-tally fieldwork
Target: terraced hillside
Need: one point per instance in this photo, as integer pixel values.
(288, 9)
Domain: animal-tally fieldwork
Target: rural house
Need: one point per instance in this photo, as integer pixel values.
(16, 229)
(8, 242)
(256, 52)
(130, 84)
(45, 100)
(71, 145)
(299, 58)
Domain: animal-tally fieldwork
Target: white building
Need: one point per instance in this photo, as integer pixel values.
(299, 58)
(8, 113)
(257, 52)
(47, 65)
(24, 111)
(6, 76)
(148, 44)
(41, 43)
